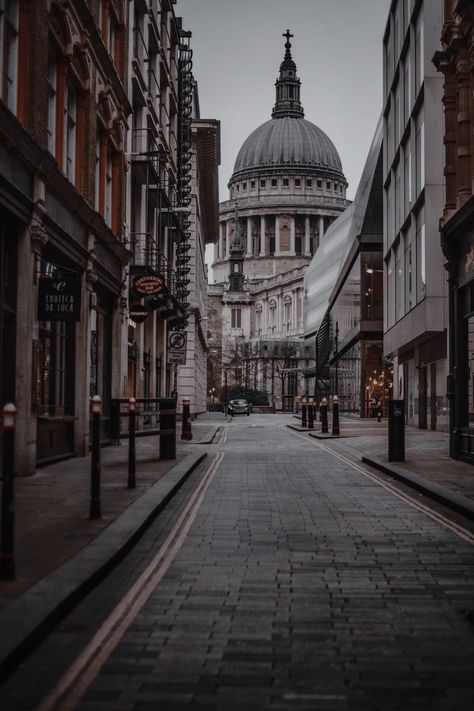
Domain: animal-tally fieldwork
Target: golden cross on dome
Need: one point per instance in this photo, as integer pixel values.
(287, 34)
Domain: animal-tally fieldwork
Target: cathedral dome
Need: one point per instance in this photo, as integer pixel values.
(287, 144)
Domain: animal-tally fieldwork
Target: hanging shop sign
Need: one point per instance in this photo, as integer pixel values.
(138, 313)
(59, 299)
(147, 285)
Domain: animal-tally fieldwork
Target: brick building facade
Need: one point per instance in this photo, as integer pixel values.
(456, 62)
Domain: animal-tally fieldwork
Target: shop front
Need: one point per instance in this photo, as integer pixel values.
(54, 356)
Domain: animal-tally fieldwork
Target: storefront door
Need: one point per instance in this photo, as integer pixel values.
(54, 383)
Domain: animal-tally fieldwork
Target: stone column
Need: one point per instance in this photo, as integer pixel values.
(321, 229)
(30, 242)
(279, 315)
(219, 245)
(277, 236)
(227, 240)
(262, 236)
(292, 235)
(464, 133)
(307, 248)
(249, 253)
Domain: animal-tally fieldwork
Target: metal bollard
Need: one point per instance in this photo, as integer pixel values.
(186, 432)
(304, 420)
(335, 416)
(311, 408)
(132, 482)
(168, 428)
(7, 549)
(324, 416)
(95, 508)
(379, 411)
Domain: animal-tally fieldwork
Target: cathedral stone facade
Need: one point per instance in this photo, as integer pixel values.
(286, 189)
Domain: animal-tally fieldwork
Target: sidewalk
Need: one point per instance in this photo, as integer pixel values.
(427, 466)
(60, 552)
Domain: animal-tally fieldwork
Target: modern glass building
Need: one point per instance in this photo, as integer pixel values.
(344, 301)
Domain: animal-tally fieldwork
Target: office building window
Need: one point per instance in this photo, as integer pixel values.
(420, 152)
(420, 255)
(419, 52)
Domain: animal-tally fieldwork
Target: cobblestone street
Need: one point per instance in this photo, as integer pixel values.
(301, 584)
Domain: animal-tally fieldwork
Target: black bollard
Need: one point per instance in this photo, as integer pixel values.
(379, 411)
(311, 414)
(304, 421)
(7, 549)
(94, 508)
(132, 481)
(324, 416)
(167, 428)
(186, 432)
(335, 416)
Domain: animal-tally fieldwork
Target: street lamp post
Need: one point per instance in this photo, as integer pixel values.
(225, 393)
(211, 398)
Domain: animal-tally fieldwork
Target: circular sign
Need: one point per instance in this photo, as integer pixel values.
(138, 313)
(177, 340)
(148, 284)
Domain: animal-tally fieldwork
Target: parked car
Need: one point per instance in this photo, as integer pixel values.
(239, 407)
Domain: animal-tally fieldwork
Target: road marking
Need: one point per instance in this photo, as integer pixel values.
(434, 515)
(77, 679)
(225, 434)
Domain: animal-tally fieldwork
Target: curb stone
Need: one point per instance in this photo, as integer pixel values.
(27, 620)
(456, 502)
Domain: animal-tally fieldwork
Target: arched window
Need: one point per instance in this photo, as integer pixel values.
(287, 306)
(272, 315)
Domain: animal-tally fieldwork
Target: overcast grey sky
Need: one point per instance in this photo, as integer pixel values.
(337, 47)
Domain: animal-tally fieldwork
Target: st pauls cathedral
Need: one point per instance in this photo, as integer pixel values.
(287, 187)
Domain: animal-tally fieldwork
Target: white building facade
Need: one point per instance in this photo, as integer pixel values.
(415, 298)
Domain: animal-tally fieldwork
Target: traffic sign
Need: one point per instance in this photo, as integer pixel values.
(177, 347)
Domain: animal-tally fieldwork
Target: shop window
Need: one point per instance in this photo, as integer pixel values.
(55, 376)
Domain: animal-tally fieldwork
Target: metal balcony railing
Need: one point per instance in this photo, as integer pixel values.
(145, 150)
(144, 251)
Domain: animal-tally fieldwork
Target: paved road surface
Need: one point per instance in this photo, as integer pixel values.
(291, 580)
